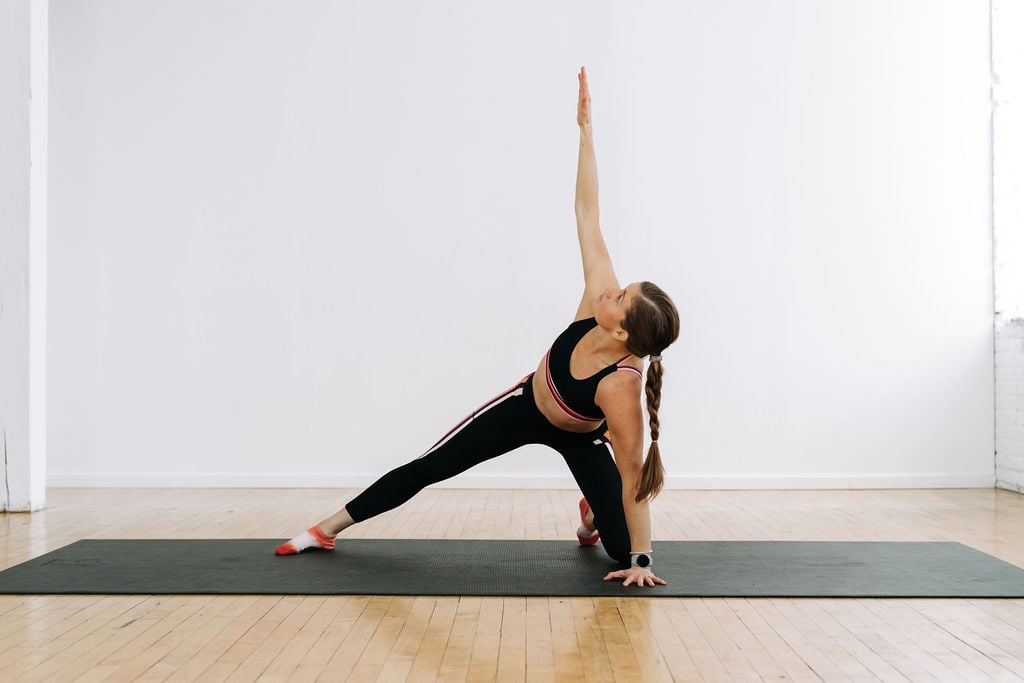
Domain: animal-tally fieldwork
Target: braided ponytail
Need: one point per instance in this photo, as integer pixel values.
(653, 476)
(652, 323)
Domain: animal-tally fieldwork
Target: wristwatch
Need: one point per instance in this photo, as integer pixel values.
(642, 560)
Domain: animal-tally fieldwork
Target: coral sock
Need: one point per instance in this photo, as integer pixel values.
(587, 534)
(311, 538)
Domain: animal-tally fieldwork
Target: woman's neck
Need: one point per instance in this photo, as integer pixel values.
(606, 345)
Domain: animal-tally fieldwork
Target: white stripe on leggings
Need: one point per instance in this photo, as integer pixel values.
(516, 391)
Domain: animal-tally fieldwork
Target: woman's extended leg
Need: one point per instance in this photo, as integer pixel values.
(497, 427)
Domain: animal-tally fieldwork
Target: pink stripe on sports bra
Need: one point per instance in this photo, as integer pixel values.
(558, 397)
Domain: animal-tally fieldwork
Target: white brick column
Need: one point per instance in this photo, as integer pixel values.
(1010, 406)
(23, 168)
(1008, 222)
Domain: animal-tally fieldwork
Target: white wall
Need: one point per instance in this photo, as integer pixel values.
(293, 242)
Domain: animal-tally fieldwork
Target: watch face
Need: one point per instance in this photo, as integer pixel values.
(643, 561)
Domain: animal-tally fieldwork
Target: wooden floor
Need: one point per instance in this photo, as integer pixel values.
(233, 638)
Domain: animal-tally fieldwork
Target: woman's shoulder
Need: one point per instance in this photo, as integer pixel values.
(579, 327)
(625, 378)
(620, 394)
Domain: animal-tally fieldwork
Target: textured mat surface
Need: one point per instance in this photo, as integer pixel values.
(439, 567)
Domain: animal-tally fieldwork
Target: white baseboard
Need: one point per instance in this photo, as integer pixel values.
(468, 481)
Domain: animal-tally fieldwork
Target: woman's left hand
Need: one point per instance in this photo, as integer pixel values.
(583, 107)
(636, 575)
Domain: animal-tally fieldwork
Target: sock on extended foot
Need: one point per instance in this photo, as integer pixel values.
(586, 533)
(311, 538)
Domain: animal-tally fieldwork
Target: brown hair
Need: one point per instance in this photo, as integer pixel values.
(652, 323)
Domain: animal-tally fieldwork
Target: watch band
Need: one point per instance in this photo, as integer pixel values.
(642, 560)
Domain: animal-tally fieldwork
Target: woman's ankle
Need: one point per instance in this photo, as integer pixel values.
(336, 523)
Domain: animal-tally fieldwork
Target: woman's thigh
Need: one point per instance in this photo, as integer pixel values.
(495, 428)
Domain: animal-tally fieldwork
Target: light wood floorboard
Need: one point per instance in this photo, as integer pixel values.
(619, 640)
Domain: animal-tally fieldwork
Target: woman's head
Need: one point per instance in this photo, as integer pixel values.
(652, 321)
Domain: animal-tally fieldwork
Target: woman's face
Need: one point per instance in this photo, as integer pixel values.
(612, 305)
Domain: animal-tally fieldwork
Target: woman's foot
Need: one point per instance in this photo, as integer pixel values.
(311, 538)
(587, 533)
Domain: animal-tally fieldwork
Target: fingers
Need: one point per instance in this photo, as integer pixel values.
(652, 580)
(631, 578)
(583, 110)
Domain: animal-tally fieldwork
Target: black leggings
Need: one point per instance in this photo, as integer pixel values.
(505, 423)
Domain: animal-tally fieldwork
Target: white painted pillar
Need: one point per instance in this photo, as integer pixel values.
(24, 45)
(1008, 156)
(1008, 224)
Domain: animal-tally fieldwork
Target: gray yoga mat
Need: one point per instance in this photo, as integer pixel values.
(514, 568)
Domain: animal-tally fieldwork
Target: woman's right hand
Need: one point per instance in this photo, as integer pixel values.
(637, 576)
(583, 108)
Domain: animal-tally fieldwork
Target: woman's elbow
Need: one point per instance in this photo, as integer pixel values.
(631, 479)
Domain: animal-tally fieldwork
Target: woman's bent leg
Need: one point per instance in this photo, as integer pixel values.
(593, 467)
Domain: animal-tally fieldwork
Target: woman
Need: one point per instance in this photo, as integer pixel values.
(614, 329)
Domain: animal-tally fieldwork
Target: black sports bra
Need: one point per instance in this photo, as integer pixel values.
(576, 396)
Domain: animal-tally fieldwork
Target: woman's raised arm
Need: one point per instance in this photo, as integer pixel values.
(598, 274)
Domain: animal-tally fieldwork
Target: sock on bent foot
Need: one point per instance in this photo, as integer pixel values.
(311, 538)
(587, 533)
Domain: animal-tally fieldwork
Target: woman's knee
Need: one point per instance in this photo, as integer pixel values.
(618, 552)
(615, 540)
